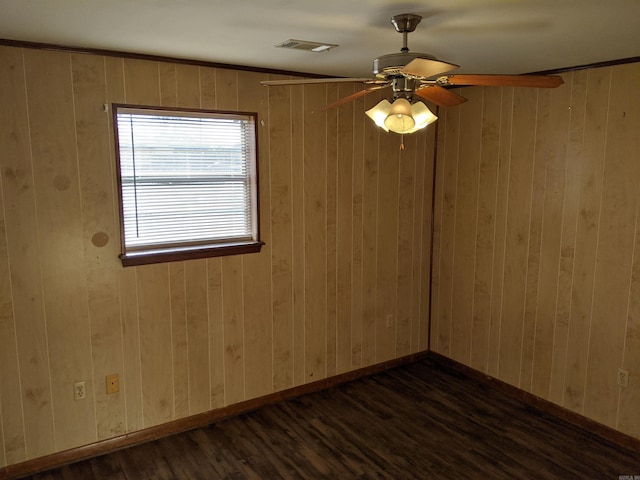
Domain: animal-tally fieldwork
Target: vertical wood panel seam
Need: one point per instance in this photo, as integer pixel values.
(326, 245)
(432, 214)
(453, 233)
(222, 323)
(84, 256)
(139, 348)
(270, 183)
(361, 273)
(442, 146)
(335, 239)
(124, 377)
(337, 310)
(542, 236)
(375, 249)
(267, 151)
(293, 239)
(395, 303)
(431, 211)
(418, 199)
(208, 310)
(37, 240)
(292, 344)
(526, 269)
(434, 311)
(351, 269)
(475, 233)
(410, 243)
(562, 216)
(273, 317)
(244, 351)
(559, 258)
(300, 244)
(504, 246)
(416, 257)
(186, 329)
(208, 328)
(304, 246)
(493, 238)
(495, 229)
(575, 239)
(354, 233)
(595, 269)
(416, 265)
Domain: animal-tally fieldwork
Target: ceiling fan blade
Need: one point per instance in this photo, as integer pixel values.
(305, 81)
(425, 67)
(353, 96)
(440, 96)
(538, 81)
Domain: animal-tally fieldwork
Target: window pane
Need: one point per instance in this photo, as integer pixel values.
(186, 179)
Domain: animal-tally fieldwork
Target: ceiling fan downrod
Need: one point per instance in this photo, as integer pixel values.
(405, 23)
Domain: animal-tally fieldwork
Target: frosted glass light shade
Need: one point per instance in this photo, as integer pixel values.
(401, 116)
(399, 119)
(379, 113)
(422, 116)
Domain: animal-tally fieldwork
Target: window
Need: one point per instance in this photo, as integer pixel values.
(188, 183)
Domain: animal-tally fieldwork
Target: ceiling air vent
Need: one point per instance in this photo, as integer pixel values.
(305, 45)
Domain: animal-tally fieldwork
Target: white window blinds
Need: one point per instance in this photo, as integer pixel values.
(187, 178)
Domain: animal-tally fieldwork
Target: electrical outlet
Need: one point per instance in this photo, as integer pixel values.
(79, 392)
(389, 320)
(623, 378)
(113, 383)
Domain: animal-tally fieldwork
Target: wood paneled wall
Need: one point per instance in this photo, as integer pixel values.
(344, 213)
(536, 268)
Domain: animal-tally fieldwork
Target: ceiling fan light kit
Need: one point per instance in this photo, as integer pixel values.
(421, 74)
(401, 116)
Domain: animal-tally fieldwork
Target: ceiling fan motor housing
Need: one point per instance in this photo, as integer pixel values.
(392, 63)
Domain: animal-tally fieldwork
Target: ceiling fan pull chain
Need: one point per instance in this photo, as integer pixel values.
(402, 142)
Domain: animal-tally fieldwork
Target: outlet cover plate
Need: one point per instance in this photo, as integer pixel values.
(623, 377)
(113, 383)
(79, 391)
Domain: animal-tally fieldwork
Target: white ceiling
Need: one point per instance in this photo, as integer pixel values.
(483, 36)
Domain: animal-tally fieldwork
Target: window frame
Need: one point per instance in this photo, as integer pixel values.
(159, 254)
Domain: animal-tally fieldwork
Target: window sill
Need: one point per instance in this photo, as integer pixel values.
(190, 253)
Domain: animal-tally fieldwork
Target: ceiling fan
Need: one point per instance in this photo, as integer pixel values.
(411, 74)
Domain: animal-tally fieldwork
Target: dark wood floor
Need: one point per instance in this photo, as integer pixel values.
(419, 421)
